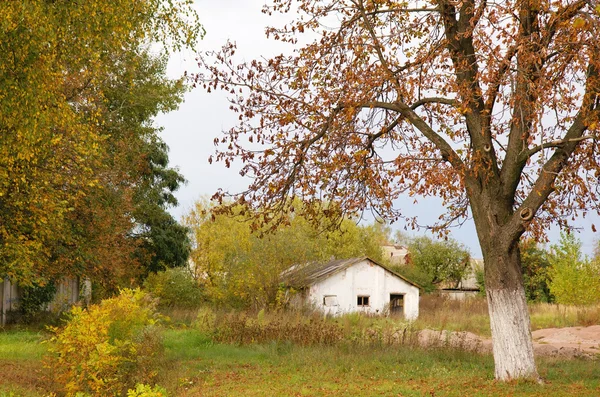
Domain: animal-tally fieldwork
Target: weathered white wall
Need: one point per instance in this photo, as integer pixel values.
(367, 279)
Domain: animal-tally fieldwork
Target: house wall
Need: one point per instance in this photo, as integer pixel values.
(364, 279)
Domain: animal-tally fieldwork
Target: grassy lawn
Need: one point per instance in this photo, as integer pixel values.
(21, 371)
(195, 366)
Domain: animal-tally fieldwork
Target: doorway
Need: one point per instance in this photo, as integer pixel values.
(397, 304)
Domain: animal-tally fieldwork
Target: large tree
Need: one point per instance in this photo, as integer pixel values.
(59, 177)
(492, 106)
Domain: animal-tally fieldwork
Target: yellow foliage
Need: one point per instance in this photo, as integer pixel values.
(59, 59)
(104, 349)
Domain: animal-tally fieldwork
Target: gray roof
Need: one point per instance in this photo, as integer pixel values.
(309, 273)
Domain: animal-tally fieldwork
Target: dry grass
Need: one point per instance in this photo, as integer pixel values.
(546, 315)
(441, 313)
(472, 315)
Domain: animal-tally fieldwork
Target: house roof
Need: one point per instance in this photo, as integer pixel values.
(309, 273)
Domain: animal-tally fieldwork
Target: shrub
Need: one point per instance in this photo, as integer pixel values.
(175, 288)
(142, 390)
(34, 299)
(108, 348)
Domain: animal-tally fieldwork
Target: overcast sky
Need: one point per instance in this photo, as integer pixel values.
(190, 131)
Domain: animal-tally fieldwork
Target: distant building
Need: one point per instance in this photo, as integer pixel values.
(397, 254)
(353, 285)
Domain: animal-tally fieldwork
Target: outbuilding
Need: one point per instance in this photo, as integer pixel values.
(353, 285)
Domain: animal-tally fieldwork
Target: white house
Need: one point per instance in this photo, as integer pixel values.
(354, 285)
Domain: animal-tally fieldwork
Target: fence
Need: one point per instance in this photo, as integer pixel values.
(69, 291)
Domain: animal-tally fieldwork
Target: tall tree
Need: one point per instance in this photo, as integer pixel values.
(491, 106)
(56, 182)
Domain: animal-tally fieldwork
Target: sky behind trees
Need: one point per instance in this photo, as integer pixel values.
(191, 130)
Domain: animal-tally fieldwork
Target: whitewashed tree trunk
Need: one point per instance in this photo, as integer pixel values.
(511, 334)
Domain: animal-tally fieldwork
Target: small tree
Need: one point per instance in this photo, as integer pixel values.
(443, 261)
(535, 262)
(575, 280)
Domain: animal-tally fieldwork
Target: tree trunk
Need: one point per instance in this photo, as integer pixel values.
(509, 315)
(511, 335)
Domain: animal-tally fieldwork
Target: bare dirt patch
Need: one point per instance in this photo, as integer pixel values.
(568, 342)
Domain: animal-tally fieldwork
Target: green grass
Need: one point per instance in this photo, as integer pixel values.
(195, 366)
(21, 345)
(199, 367)
(21, 372)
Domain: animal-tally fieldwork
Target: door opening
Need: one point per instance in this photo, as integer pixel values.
(397, 304)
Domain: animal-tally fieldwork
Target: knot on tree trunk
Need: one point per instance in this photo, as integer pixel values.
(526, 214)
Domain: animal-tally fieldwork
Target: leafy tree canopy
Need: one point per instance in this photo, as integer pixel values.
(494, 107)
(242, 268)
(575, 279)
(61, 117)
(443, 261)
(536, 264)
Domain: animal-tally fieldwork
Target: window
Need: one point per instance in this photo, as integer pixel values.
(330, 300)
(362, 301)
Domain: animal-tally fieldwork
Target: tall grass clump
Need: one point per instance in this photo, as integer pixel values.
(441, 313)
(107, 348)
(303, 328)
(245, 328)
(548, 315)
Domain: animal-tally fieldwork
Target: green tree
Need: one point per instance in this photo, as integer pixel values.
(242, 268)
(444, 261)
(535, 262)
(575, 279)
(57, 118)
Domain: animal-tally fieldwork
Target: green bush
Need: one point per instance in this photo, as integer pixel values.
(107, 348)
(34, 299)
(175, 288)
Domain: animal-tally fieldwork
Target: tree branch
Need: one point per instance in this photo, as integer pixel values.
(544, 185)
(440, 100)
(553, 144)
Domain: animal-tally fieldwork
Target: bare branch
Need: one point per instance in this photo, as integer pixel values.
(440, 100)
(553, 144)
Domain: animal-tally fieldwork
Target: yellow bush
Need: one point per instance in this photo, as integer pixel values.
(142, 390)
(108, 348)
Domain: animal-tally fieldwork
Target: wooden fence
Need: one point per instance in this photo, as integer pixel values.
(69, 291)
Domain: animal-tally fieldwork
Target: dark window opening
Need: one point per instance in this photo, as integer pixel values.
(362, 301)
